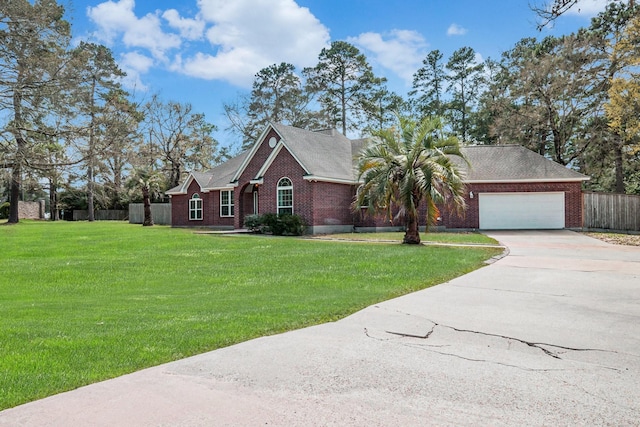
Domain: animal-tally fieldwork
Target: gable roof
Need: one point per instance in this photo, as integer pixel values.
(508, 163)
(331, 157)
(325, 155)
(219, 177)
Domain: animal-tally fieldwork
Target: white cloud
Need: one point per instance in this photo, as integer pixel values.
(190, 29)
(135, 64)
(400, 51)
(117, 18)
(236, 66)
(588, 8)
(228, 40)
(456, 30)
(247, 35)
(137, 61)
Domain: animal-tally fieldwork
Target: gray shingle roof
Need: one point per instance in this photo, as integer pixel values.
(324, 154)
(330, 155)
(217, 177)
(221, 175)
(513, 163)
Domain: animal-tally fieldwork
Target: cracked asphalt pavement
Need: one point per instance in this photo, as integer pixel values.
(548, 335)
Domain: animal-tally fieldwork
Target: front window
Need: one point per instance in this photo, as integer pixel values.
(285, 196)
(226, 203)
(195, 208)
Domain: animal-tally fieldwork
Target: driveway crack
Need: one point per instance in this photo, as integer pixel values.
(537, 345)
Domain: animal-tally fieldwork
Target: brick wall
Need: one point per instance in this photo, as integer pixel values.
(210, 209)
(471, 218)
(31, 210)
(332, 203)
(249, 173)
(286, 166)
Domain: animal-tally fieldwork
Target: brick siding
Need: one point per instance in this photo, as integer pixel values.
(210, 209)
(471, 218)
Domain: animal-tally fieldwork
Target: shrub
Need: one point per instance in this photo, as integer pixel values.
(252, 222)
(4, 210)
(278, 225)
(269, 223)
(292, 224)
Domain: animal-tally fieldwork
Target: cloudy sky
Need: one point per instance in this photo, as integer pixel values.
(206, 52)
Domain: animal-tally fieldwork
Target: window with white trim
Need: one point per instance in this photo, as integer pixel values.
(226, 203)
(285, 196)
(195, 208)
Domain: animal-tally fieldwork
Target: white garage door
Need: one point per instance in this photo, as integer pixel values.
(521, 211)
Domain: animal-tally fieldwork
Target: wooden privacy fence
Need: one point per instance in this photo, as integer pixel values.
(608, 211)
(161, 213)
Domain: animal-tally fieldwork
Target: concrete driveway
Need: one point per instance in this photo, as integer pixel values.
(549, 335)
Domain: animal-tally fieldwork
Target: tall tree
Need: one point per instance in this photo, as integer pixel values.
(345, 82)
(484, 117)
(429, 85)
(56, 157)
(608, 32)
(180, 137)
(98, 75)
(623, 107)
(34, 38)
(406, 166)
(553, 94)
(465, 81)
(380, 110)
(277, 96)
(119, 121)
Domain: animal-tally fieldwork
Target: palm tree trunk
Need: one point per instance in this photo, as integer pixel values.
(148, 218)
(411, 235)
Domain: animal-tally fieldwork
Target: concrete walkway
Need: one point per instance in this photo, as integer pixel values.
(549, 335)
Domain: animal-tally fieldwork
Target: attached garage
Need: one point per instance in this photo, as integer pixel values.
(521, 211)
(510, 187)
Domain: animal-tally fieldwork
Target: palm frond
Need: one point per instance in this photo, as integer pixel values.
(408, 165)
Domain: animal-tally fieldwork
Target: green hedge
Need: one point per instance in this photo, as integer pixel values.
(278, 225)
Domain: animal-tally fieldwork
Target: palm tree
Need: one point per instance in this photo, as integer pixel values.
(407, 165)
(148, 181)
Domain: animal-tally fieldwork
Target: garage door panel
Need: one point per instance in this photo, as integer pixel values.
(502, 211)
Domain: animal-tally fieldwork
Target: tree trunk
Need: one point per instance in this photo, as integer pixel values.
(53, 200)
(148, 218)
(90, 204)
(14, 197)
(16, 171)
(90, 172)
(411, 235)
(619, 167)
(176, 174)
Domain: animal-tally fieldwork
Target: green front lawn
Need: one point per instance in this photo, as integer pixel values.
(463, 238)
(83, 302)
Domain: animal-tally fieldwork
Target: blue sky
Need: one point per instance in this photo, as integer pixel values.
(206, 52)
